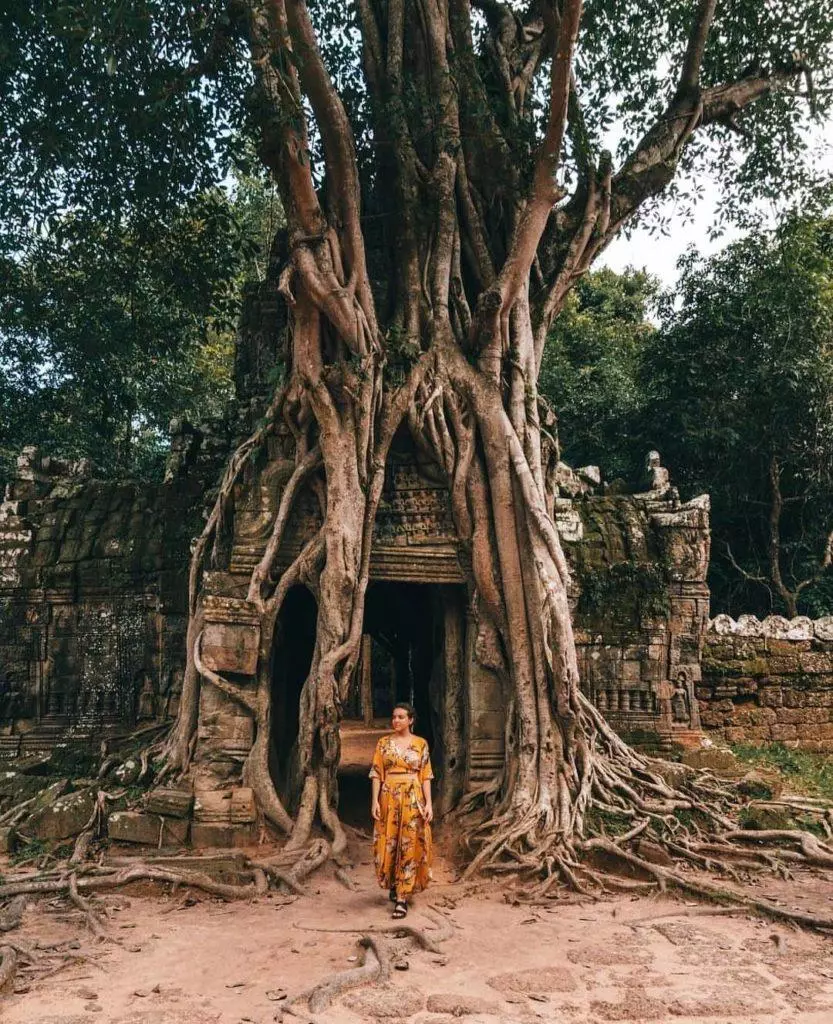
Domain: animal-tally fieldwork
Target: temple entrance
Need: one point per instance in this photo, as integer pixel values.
(291, 660)
(412, 644)
(403, 658)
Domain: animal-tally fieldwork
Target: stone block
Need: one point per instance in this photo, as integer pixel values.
(710, 757)
(816, 662)
(231, 637)
(64, 818)
(173, 803)
(762, 716)
(147, 829)
(8, 840)
(771, 696)
(784, 732)
(214, 835)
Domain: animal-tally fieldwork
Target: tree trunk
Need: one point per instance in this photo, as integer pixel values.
(481, 259)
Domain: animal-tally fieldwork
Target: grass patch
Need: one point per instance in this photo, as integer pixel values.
(804, 771)
(605, 821)
(31, 850)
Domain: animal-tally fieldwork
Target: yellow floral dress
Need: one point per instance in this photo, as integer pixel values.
(402, 836)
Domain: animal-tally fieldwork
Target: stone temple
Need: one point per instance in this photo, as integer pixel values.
(93, 602)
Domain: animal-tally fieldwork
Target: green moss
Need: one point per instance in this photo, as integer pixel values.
(804, 771)
(626, 592)
(30, 850)
(605, 821)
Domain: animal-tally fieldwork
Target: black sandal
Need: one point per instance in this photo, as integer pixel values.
(400, 909)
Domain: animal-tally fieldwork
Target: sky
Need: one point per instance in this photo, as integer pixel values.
(659, 254)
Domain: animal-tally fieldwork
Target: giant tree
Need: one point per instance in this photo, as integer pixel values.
(445, 183)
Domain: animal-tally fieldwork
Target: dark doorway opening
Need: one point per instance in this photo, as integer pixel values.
(292, 654)
(401, 659)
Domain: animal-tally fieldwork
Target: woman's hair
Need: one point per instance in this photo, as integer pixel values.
(405, 707)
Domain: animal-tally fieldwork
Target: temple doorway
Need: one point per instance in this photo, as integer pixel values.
(403, 658)
(412, 641)
(292, 654)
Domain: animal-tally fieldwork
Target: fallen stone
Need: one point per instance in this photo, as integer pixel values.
(173, 803)
(459, 1005)
(718, 758)
(8, 840)
(147, 829)
(761, 785)
(65, 817)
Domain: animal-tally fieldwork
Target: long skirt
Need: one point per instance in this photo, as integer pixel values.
(402, 838)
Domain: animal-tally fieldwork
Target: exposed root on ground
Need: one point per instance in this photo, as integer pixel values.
(8, 965)
(374, 968)
(429, 942)
(648, 820)
(378, 959)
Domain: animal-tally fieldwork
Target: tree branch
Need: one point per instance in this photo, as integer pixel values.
(693, 60)
(339, 147)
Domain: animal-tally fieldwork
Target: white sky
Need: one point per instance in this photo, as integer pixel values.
(659, 254)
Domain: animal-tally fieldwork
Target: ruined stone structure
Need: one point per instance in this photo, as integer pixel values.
(769, 681)
(93, 580)
(640, 599)
(92, 602)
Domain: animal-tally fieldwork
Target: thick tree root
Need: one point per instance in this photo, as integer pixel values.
(430, 943)
(375, 967)
(8, 966)
(12, 914)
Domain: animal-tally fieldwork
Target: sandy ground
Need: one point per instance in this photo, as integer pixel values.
(183, 959)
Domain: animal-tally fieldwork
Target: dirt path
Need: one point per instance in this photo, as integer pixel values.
(182, 960)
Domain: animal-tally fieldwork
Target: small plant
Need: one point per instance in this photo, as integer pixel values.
(804, 771)
(32, 849)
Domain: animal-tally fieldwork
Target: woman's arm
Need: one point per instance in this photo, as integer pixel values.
(375, 785)
(426, 795)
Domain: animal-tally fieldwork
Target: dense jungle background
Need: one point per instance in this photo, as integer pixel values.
(106, 336)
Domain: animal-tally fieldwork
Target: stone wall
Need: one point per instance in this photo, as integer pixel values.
(769, 681)
(93, 601)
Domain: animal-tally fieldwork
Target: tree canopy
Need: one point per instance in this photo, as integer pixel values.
(107, 331)
(740, 382)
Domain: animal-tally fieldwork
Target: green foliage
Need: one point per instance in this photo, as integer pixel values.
(32, 849)
(804, 771)
(591, 369)
(627, 591)
(626, 49)
(104, 115)
(740, 375)
(106, 333)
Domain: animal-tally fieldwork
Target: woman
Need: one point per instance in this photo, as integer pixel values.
(402, 810)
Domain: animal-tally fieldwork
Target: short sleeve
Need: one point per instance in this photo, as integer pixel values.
(425, 770)
(377, 767)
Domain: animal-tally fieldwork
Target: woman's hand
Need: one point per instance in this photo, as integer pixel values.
(428, 814)
(375, 813)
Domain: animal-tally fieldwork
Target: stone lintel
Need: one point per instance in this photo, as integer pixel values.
(231, 635)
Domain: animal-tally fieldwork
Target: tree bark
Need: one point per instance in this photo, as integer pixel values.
(482, 258)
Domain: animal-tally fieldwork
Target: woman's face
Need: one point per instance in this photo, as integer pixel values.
(400, 720)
